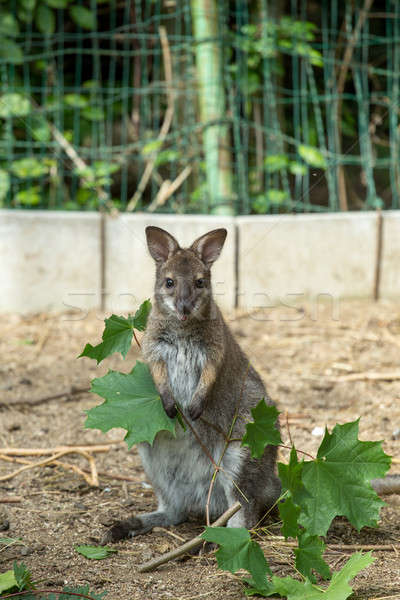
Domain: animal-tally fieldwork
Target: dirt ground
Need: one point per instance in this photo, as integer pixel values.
(302, 353)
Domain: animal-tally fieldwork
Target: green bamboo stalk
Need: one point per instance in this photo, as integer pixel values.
(212, 104)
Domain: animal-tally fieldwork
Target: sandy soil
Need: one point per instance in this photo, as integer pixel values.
(301, 352)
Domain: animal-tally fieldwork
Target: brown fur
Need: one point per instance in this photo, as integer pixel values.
(197, 364)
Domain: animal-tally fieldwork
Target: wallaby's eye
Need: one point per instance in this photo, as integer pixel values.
(169, 283)
(200, 283)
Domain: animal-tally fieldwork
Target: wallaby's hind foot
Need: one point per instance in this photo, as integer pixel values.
(128, 528)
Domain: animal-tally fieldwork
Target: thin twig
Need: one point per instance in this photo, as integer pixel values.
(196, 435)
(288, 428)
(80, 165)
(166, 122)
(42, 341)
(136, 340)
(227, 442)
(168, 188)
(117, 476)
(297, 450)
(56, 449)
(10, 499)
(343, 547)
(344, 67)
(92, 480)
(72, 391)
(367, 376)
(197, 541)
(89, 480)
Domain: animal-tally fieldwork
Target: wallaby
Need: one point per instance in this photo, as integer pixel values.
(197, 365)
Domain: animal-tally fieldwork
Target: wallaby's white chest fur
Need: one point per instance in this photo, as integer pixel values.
(185, 361)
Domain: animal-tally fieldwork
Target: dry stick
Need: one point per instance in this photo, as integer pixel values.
(44, 451)
(89, 480)
(166, 122)
(348, 54)
(116, 476)
(345, 547)
(80, 164)
(92, 480)
(168, 188)
(70, 392)
(10, 499)
(42, 341)
(41, 463)
(156, 562)
(368, 376)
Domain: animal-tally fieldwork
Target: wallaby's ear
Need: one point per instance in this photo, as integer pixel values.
(209, 245)
(161, 244)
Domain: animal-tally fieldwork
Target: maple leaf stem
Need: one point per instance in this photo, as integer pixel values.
(136, 340)
(288, 428)
(196, 435)
(301, 451)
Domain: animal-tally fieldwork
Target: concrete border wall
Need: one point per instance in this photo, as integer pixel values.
(53, 261)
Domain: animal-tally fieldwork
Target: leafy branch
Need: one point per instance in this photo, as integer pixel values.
(314, 491)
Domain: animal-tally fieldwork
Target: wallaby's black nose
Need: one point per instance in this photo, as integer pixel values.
(183, 307)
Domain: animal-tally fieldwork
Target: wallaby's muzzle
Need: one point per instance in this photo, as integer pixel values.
(184, 300)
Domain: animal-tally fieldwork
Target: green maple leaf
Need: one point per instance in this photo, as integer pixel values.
(289, 510)
(95, 552)
(118, 333)
(7, 581)
(131, 402)
(291, 477)
(339, 588)
(289, 513)
(238, 551)
(338, 481)
(263, 430)
(309, 557)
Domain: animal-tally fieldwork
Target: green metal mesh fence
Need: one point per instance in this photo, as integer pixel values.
(103, 104)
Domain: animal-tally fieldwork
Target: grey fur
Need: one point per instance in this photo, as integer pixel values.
(185, 340)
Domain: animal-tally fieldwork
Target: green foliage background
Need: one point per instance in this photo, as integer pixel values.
(86, 79)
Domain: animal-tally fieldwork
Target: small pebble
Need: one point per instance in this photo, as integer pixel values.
(317, 431)
(4, 522)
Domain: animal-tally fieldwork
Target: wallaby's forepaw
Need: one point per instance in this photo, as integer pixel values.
(196, 407)
(122, 530)
(169, 404)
